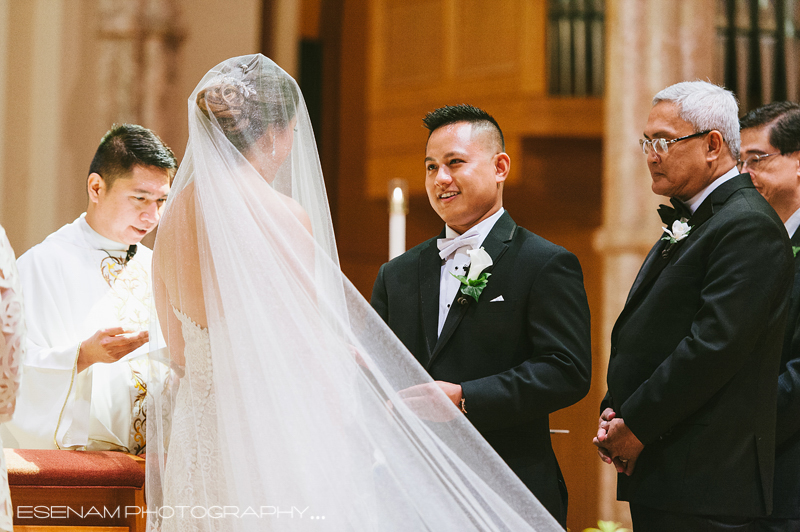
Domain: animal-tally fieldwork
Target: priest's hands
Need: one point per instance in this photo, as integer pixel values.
(109, 345)
(616, 443)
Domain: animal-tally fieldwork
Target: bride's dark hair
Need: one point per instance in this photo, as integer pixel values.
(249, 99)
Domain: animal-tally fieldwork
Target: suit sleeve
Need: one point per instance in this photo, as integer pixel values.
(788, 421)
(558, 372)
(605, 403)
(380, 297)
(747, 273)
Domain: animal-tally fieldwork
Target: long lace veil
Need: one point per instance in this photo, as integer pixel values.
(322, 420)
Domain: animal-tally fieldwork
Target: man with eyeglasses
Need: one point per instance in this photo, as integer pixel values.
(689, 417)
(771, 155)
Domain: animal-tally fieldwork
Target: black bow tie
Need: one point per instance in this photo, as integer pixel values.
(131, 252)
(677, 212)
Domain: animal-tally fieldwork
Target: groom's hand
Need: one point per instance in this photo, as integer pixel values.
(452, 391)
(427, 402)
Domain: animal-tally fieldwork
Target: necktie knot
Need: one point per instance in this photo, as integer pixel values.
(449, 246)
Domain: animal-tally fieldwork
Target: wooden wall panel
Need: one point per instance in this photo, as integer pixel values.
(424, 54)
(412, 42)
(487, 42)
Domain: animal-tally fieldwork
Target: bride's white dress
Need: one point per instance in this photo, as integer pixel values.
(315, 415)
(194, 481)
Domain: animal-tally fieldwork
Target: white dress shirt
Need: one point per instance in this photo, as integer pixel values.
(457, 264)
(793, 223)
(697, 200)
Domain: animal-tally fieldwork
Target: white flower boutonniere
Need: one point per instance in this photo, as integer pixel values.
(475, 280)
(680, 230)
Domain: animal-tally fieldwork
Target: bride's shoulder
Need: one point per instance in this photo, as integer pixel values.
(298, 211)
(180, 205)
(178, 223)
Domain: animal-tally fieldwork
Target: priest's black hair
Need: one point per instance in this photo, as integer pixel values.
(127, 145)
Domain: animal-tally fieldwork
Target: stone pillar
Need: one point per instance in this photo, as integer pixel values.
(139, 64)
(650, 45)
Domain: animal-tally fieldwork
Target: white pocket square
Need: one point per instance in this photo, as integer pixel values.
(497, 299)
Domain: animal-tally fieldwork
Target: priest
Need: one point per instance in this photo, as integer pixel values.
(87, 304)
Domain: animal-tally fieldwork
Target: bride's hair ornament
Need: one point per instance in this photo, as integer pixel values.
(242, 111)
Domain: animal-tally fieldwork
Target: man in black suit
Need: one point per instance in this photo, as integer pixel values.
(520, 348)
(771, 155)
(689, 418)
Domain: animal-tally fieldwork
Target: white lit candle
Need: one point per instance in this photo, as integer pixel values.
(397, 217)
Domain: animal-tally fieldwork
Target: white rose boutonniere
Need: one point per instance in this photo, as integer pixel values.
(475, 280)
(680, 230)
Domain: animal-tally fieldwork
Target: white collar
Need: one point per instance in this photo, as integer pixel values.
(483, 228)
(697, 200)
(95, 239)
(793, 223)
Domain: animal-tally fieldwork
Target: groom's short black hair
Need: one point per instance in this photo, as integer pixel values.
(127, 145)
(783, 119)
(451, 114)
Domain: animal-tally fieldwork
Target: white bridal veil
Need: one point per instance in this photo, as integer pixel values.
(311, 415)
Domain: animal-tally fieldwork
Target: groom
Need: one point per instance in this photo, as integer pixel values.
(520, 348)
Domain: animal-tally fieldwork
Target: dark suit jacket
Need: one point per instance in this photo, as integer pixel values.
(787, 431)
(695, 355)
(516, 360)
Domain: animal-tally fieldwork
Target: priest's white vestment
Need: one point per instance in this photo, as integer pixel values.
(75, 283)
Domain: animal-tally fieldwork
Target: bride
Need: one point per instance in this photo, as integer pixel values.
(293, 407)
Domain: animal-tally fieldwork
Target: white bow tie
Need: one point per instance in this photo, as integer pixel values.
(448, 246)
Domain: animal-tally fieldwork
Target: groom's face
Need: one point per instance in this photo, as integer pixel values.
(464, 174)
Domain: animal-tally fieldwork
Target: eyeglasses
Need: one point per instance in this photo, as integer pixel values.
(754, 161)
(660, 146)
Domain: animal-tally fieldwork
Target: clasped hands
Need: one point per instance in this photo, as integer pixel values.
(616, 443)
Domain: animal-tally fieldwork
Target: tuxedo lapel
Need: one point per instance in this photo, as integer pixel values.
(495, 245)
(649, 261)
(796, 243)
(718, 198)
(662, 253)
(430, 267)
(656, 261)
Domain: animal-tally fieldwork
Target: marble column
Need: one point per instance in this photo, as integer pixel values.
(650, 44)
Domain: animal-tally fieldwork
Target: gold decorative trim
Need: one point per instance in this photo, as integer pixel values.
(69, 391)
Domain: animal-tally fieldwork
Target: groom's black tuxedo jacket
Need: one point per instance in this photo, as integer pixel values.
(518, 359)
(787, 431)
(695, 355)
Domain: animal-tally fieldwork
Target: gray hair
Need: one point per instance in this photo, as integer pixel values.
(706, 106)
